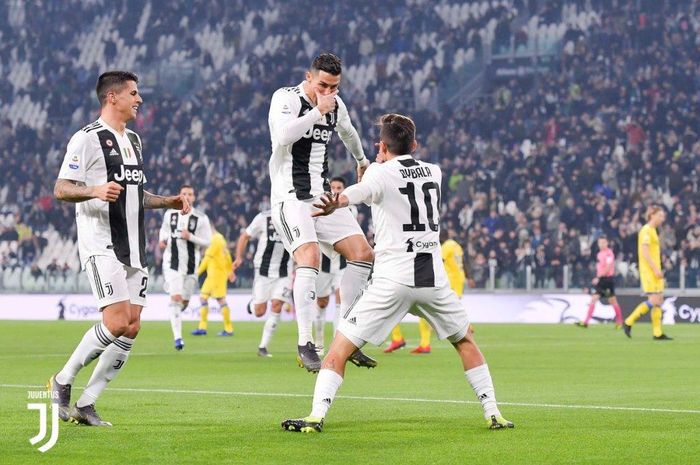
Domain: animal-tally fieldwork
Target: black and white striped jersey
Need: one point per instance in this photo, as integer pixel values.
(96, 155)
(179, 254)
(271, 258)
(404, 195)
(300, 136)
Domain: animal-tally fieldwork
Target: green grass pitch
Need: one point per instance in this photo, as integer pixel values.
(576, 397)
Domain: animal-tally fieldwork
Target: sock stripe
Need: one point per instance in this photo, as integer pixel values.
(101, 336)
(366, 265)
(122, 345)
(307, 268)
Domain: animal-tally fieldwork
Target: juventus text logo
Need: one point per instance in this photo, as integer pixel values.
(42, 408)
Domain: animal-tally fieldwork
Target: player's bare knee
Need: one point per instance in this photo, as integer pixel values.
(307, 255)
(133, 329)
(322, 302)
(260, 309)
(176, 298)
(276, 306)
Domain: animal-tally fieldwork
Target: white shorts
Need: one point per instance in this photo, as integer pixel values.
(384, 304)
(295, 225)
(179, 284)
(266, 289)
(327, 283)
(112, 281)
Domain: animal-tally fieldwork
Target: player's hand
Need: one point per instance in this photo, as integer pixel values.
(594, 281)
(325, 103)
(162, 244)
(237, 263)
(361, 168)
(179, 202)
(108, 192)
(327, 204)
(659, 274)
(232, 277)
(185, 234)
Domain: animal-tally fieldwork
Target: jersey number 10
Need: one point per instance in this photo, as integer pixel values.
(431, 213)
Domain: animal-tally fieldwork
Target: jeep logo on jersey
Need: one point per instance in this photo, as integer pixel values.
(130, 175)
(318, 135)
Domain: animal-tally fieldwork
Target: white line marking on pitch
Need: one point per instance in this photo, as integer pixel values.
(383, 399)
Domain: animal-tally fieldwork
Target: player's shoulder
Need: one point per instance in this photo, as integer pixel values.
(86, 134)
(265, 213)
(169, 212)
(288, 92)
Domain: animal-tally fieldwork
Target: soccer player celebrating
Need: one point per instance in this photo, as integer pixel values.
(302, 120)
(182, 237)
(273, 274)
(219, 267)
(408, 275)
(102, 173)
(604, 283)
(650, 274)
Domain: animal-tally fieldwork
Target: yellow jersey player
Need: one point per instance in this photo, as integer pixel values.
(453, 258)
(218, 264)
(650, 274)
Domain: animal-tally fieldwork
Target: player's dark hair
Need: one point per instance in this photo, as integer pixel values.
(398, 133)
(327, 62)
(112, 81)
(339, 179)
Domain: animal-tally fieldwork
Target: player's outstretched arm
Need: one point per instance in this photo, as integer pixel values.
(241, 244)
(178, 202)
(76, 191)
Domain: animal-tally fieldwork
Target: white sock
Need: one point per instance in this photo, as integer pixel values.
(327, 384)
(269, 329)
(319, 326)
(480, 380)
(94, 342)
(305, 301)
(176, 318)
(352, 284)
(110, 364)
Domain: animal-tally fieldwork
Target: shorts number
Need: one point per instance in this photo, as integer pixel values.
(144, 284)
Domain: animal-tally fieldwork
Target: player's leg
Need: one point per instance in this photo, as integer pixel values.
(174, 285)
(342, 231)
(320, 322)
(618, 311)
(293, 221)
(108, 283)
(328, 381)
(204, 294)
(657, 301)
(397, 340)
(273, 319)
(115, 356)
(378, 310)
(225, 310)
(644, 307)
(589, 312)
(446, 314)
(424, 331)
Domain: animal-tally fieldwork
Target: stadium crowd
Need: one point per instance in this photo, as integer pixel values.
(535, 169)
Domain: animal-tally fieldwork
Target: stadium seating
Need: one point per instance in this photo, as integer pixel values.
(524, 148)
